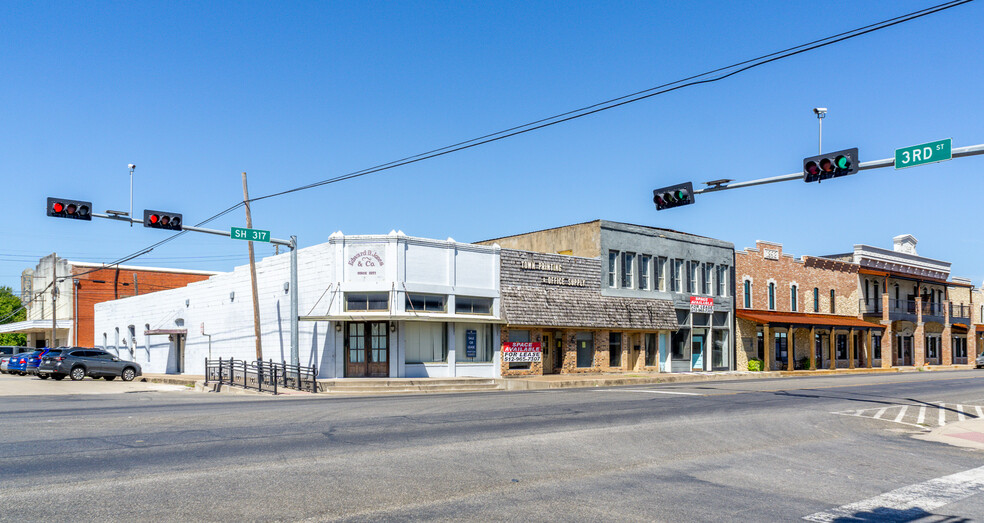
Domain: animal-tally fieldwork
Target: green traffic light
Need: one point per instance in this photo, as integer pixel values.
(842, 162)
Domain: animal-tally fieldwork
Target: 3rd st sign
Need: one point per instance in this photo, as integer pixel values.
(922, 154)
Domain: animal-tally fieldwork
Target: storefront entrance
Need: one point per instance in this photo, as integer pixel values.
(904, 355)
(697, 353)
(367, 349)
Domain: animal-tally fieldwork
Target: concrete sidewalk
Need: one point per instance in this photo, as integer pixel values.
(968, 433)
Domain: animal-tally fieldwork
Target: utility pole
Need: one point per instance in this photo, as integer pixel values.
(252, 276)
(54, 297)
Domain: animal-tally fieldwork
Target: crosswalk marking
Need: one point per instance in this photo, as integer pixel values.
(923, 417)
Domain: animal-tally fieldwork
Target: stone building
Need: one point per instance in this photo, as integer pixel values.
(925, 316)
(800, 313)
(663, 298)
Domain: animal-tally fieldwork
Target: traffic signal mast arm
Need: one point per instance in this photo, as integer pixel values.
(971, 150)
(184, 227)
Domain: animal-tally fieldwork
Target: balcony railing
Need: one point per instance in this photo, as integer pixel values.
(959, 312)
(872, 307)
(902, 306)
(932, 309)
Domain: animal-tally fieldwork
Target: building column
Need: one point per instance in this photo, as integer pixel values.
(971, 343)
(813, 347)
(869, 349)
(919, 334)
(833, 349)
(767, 344)
(850, 349)
(790, 348)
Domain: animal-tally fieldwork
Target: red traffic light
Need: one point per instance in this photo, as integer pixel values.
(65, 208)
(162, 220)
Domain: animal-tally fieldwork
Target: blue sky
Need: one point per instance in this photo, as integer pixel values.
(196, 93)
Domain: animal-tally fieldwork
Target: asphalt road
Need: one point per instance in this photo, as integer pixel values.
(770, 450)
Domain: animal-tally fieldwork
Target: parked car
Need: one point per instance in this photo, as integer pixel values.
(18, 364)
(79, 362)
(3, 364)
(979, 362)
(33, 360)
(10, 350)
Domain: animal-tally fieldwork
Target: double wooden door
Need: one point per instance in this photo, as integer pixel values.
(367, 349)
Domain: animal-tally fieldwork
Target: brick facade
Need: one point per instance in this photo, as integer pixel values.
(108, 284)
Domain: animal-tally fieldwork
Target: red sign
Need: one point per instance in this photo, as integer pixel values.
(701, 304)
(521, 352)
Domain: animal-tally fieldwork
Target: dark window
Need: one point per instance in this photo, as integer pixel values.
(760, 353)
(816, 299)
(833, 302)
(876, 346)
(366, 301)
(792, 298)
(748, 294)
(469, 305)
(651, 349)
(584, 342)
(772, 296)
(781, 348)
(614, 349)
(426, 302)
(842, 346)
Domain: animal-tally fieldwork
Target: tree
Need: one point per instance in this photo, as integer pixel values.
(9, 302)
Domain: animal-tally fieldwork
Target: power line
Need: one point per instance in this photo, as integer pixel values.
(629, 98)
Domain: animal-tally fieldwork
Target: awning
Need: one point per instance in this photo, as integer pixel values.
(819, 320)
(35, 326)
(152, 332)
(980, 328)
(958, 328)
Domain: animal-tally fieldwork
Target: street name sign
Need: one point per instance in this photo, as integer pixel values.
(252, 235)
(924, 153)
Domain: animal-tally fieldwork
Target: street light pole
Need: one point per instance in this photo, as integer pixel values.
(821, 112)
(132, 167)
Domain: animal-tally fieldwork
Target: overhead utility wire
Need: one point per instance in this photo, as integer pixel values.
(584, 111)
(626, 99)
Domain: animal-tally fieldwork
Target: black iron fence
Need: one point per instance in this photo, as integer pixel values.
(959, 311)
(261, 375)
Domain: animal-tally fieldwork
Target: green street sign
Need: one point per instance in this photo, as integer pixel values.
(924, 153)
(253, 235)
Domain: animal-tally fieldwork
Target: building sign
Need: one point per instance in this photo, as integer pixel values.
(563, 280)
(367, 264)
(770, 254)
(521, 352)
(530, 265)
(701, 304)
(471, 343)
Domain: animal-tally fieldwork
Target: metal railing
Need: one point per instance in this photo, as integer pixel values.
(959, 311)
(261, 375)
(872, 307)
(903, 306)
(932, 309)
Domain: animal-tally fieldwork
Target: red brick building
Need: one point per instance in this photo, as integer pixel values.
(69, 311)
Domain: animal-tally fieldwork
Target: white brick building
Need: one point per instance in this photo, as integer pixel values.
(381, 305)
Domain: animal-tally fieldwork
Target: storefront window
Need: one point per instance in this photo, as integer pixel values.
(842, 346)
(876, 346)
(426, 342)
(652, 349)
(679, 344)
(719, 350)
(584, 342)
(366, 301)
(473, 338)
(519, 336)
(469, 305)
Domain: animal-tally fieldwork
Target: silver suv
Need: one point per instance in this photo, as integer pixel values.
(79, 362)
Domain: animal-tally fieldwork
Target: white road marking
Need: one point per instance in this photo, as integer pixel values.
(656, 391)
(922, 416)
(942, 415)
(901, 413)
(920, 498)
(960, 413)
(881, 411)
(980, 413)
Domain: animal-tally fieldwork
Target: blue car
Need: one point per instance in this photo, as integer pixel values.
(18, 363)
(33, 360)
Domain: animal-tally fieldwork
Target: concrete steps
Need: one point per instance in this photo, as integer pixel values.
(407, 385)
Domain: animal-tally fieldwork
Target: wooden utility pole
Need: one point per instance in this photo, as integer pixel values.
(252, 276)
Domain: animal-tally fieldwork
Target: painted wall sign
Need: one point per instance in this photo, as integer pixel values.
(701, 304)
(770, 254)
(471, 343)
(367, 263)
(521, 352)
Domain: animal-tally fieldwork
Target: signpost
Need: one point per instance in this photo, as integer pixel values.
(923, 153)
(253, 235)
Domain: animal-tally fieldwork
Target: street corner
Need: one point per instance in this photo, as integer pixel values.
(966, 434)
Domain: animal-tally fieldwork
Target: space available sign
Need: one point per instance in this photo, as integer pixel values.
(521, 352)
(701, 304)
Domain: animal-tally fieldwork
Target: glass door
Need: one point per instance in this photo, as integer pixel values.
(697, 353)
(366, 349)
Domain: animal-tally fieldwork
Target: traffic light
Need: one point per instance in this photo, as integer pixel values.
(830, 165)
(162, 220)
(675, 196)
(74, 209)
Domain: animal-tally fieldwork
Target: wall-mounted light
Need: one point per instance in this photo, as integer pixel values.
(232, 296)
(286, 287)
(392, 327)
(187, 302)
(338, 326)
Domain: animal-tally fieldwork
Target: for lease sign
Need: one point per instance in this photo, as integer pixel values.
(521, 352)
(701, 304)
